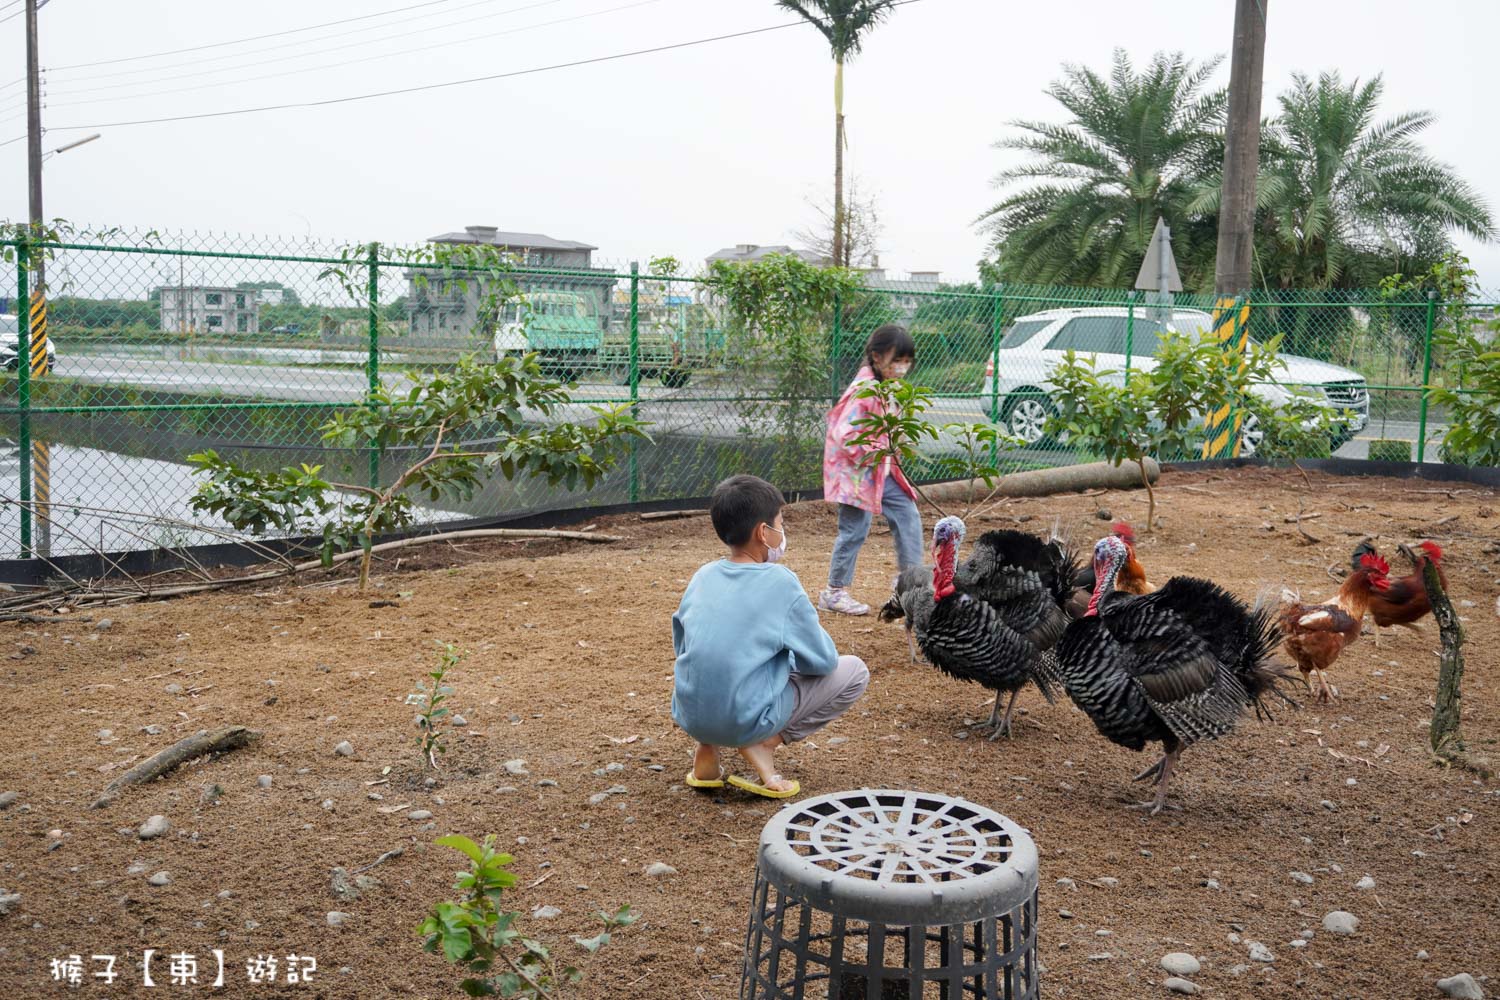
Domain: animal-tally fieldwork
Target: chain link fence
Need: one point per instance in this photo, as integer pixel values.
(152, 348)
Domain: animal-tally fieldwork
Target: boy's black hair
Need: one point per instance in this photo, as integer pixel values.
(739, 504)
(891, 337)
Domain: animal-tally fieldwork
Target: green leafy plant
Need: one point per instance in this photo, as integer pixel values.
(477, 933)
(1390, 450)
(1467, 348)
(781, 309)
(1157, 412)
(422, 417)
(1299, 427)
(899, 429)
(430, 720)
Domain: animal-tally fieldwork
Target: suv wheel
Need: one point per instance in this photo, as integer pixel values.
(1251, 436)
(1026, 415)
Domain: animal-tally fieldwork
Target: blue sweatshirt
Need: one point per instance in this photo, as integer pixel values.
(741, 631)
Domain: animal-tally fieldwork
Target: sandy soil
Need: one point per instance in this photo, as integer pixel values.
(570, 670)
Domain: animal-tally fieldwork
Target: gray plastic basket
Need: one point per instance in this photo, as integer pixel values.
(884, 895)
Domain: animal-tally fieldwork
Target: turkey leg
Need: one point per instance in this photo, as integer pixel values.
(1159, 803)
(1004, 727)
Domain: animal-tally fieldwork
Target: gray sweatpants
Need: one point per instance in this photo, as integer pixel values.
(820, 700)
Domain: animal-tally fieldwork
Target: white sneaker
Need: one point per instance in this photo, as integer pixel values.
(839, 600)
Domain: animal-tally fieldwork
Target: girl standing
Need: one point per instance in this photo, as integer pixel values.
(863, 490)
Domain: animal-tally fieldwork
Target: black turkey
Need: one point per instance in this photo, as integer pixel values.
(1175, 666)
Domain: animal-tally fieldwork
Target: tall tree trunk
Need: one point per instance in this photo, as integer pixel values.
(840, 252)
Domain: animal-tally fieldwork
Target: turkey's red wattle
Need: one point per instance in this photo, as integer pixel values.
(942, 573)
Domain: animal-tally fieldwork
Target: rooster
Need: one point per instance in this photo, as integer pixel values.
(1132, 575)
(912, 601)
(1404, 601)
(999, 634)
(1315, 634)
(1175, 666)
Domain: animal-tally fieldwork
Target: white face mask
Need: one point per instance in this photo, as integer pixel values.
(899, 369)
(779, 552)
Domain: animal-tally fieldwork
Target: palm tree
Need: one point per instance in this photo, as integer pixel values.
(1136, 148)
(1345, 199)
(844, 23)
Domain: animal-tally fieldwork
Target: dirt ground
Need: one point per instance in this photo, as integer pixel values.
(570, 670)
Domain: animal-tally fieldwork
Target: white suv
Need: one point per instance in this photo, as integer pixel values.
(1033, 346)
(10, 343)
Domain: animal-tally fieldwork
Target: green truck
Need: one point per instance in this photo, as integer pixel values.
(574, 338)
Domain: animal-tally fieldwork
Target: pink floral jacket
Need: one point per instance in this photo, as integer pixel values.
(846, 479)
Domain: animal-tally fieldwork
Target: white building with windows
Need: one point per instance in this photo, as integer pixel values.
(208, 309)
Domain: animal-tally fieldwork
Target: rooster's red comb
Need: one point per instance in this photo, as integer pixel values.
(1123, 531)
(1375, 564)
(1433, 549)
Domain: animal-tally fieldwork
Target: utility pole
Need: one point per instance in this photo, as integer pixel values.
(1241, 150)
(34, 134)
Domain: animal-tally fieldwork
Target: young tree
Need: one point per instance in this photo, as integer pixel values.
(861, 230)
(507, 405)
(1158, 412)
(781, 310)
(844, 23)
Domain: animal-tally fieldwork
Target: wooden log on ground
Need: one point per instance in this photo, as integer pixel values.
(671, 515)
(1447, 714)
(184, 750)
(1046, 482)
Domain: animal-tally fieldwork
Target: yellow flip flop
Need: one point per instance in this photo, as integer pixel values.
(705, 785)
(746, 785)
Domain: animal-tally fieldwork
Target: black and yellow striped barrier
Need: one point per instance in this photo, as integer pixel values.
(41, 451)
(1222, 426)
(39, 365)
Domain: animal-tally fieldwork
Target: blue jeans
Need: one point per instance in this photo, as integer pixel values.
(900, 512)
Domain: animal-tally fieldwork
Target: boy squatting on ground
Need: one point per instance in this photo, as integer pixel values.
(755, 670)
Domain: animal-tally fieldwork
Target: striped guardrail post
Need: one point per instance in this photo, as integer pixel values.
(1222, 426)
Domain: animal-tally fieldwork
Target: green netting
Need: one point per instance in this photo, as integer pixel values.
(165, 346)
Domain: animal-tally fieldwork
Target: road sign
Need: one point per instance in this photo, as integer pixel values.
(1159, 269)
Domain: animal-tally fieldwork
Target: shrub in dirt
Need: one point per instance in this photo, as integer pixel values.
(898, 431)
(1159, 412)
(1390, 450)
(433, 714)
(780, 311)
(476, 933)
(486, 402)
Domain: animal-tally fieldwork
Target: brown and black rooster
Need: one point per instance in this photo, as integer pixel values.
(1315, 634)
(1404, 602)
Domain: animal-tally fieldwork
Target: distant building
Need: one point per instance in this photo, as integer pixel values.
(742, 253)
(447, 305)
(904, 294)
(208, 309)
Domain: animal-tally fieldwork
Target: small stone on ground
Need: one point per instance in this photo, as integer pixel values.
(1180, 963)
(1461, 987)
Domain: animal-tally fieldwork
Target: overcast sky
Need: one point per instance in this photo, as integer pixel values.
(678, 152)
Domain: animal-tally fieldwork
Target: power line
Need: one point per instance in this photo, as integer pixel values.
(436, 86)
(449, 83)
(349, 62)
(288, 45)
(257, 38)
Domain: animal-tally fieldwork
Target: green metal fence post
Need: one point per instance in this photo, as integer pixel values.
(1426, 378)
(635, 374)
(372, 360)
(835, 388)
(1129, 332)
(23, 385)
(995, 324)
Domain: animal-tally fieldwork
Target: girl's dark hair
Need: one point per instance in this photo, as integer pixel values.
(891, 337)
